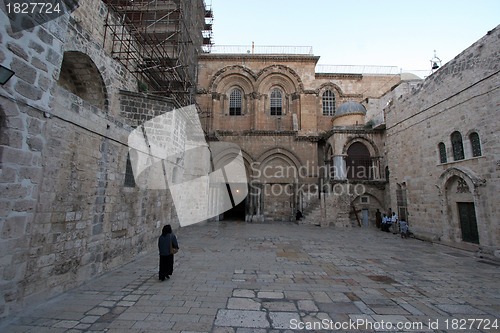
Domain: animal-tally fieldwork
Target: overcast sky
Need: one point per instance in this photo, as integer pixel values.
(358, 32)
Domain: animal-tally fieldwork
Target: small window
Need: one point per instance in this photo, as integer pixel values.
(129, 174)
(476, 145)
(235, 103)
(442, 152)
(458, 147)
(328, 103)
(364, 199)
(276, 103)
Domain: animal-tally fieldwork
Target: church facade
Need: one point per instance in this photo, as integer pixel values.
(337, 147)
(303, 135)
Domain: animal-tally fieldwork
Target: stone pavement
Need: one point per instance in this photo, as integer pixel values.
(241, 277)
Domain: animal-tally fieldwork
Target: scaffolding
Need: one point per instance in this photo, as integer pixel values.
(158, 41)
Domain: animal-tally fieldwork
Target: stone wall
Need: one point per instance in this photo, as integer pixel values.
(66, 214)
(462, 96)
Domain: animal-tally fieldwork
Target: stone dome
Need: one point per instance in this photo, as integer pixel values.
(350, 108)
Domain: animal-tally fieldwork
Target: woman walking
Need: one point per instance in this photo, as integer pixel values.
(167, 242)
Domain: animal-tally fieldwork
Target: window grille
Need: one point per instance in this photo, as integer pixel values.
(276, 103)
(328, 103)
(462, 186)
(476, 145)
(442, 152)
(235, 103)
(458, 147)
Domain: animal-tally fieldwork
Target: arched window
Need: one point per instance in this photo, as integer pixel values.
(358, 163)
(458, 147)
(476, 145)
(235, 103)
(276, 103)
(442, 152)
(328, 103)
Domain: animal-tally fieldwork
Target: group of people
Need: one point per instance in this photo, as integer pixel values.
(389, 221)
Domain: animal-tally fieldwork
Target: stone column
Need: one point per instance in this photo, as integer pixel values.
(375, 165)
(339, 166)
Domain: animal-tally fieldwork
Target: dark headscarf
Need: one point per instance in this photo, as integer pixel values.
(166, 230)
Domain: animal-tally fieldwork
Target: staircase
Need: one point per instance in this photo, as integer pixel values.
(337, 212)
(312, 214)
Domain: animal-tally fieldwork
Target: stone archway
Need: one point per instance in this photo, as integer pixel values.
(278, 179)
(241, 204)
(461, 210)
(463, 218)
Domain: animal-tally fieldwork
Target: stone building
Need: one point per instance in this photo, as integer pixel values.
(442, 140)
(70, 208)
(333, 145)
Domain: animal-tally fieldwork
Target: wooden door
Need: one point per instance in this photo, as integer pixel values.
(467, 215)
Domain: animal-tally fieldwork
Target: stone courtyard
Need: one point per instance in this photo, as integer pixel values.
(251, 277)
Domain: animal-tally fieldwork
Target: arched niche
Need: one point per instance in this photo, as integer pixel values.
(80, 76)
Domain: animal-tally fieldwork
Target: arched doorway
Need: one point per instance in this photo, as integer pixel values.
(239, 211)
(461, 207)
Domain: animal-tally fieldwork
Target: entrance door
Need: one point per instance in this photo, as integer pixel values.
(467, 215)
(365, 217)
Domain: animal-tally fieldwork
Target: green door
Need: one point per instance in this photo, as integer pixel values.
(467, 215)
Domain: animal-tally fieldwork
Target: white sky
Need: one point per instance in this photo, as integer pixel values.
(358, 32)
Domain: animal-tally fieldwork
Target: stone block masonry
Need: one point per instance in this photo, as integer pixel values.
(461, 97)
(65, 213)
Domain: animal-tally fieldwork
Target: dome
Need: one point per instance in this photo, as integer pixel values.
(350, 108)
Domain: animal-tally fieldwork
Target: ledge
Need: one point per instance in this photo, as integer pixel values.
(459, 161)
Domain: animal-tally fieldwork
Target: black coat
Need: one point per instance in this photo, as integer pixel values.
(164, 244)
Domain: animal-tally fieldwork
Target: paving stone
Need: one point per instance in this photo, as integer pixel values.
(243, 293)
(89, 319)
(243, 304)
(460, 309)
(306, 305)
(348, 308)
(363, 307)
(270, 294)
(282, 320)
(389, 310)
(242, 318)
(99, 311)
(279, 306)
(411, 309)
(66, 324)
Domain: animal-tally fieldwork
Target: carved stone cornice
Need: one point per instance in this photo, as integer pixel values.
(339, 76)
(274, 57)
(353, 130)
(311, 138)
(255, 133)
